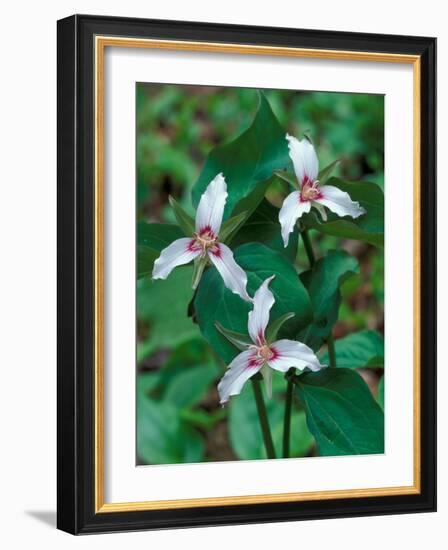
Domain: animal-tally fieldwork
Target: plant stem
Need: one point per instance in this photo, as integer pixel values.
(287, 418)
(312, 260)
(308, 247)
(331, 351)
(263, 417)
(191, 312)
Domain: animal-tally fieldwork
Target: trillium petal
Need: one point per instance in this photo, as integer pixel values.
(288, 353)
(339, 202)
(232, 274)
(211, 206)
(238, 372)
(304, 159)
(292, 209)
(179, 252)
(259, 316)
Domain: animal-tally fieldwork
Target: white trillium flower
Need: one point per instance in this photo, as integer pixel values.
(280, 355)
(311, 193)
(204, 242)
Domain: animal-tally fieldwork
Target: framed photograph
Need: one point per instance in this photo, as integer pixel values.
(246, 274)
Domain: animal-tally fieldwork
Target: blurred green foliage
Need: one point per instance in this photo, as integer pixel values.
(178, 414)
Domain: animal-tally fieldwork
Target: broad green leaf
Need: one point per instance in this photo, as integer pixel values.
(250, 202)
(275, 326)
(189, 354)
(162, 438)
(189, 386)
(240, 341)
(203, 419)
(214, 302)
(323, 282)
(248, 160)
(244, 425)
(145, 260)
(146, 382)
(369, 227)
(263, 226)
(341, 412)
(185, 221)
(327, 276)
(152, 238)
(380, 397)
(357, 350)
(166, 396)
(163, 304)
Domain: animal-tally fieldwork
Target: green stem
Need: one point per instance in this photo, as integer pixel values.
(191, 312)
(287, 418)
(312, 260)
(263, 417)
(308, 247)
(331, 351)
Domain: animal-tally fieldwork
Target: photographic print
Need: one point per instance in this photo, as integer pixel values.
(260, 285)
(238, 340)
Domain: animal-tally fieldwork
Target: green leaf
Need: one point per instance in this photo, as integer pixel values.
(152, 238)
(275, 326)
(288, 177)
(263, 226)
(341, 412)
(163, 304)
(328, 274)
(323, 282)
(240, 341)
(214, 302)
(250, 202)
(199, 264)
(189, 386)
(325, 173)
(248, 160)
(188, 354)
(244, 425)
(185, 221)
(380, 397)
(167, 397)
(203, 419)
(369, 227)
(162, 438)
(360, 349)
(231, 226)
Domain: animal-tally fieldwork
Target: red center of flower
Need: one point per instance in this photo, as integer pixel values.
(205, 239)
(262, 353)
(265, 352)
(310, 190)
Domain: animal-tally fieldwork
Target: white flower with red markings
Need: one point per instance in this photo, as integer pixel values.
(261, 353)
(204, 244)
(311, 192)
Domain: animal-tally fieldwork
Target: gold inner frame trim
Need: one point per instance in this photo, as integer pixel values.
(101, 42)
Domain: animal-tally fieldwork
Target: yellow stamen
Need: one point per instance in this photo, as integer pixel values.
(310, 191)
(205, 241)
(265, 353)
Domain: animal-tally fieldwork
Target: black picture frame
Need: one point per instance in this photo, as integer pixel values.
(76, 226)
